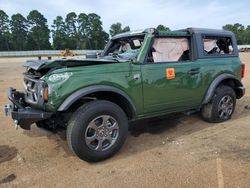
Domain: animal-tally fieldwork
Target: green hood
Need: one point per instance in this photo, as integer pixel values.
(48, 64)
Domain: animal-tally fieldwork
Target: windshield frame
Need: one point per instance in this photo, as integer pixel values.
(105, 52)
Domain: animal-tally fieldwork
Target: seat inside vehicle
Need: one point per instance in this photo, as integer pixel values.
(221, 45)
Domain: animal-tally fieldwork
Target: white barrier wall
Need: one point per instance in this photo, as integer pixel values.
(57, 52)
(45, 53)
(243, 46)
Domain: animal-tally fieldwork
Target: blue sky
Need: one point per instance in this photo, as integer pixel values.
(139, 14)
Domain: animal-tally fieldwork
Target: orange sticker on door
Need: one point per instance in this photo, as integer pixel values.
(170, 73)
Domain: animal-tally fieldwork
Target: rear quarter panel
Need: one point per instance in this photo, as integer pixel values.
(213, 67)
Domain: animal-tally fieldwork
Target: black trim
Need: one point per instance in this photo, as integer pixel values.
(208, 31)
(240, 91)
(217, 81)
(24, 115)
(13, 95)
(92, 89)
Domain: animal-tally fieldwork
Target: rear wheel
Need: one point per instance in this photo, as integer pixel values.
(221, 106)
(97, 130)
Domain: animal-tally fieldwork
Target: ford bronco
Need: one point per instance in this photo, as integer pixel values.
(138, 75)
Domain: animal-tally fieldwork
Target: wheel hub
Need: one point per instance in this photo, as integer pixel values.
(225, 107)
(102, 133)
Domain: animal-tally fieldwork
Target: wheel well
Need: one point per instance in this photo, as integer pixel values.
(228, 80)
(109, 96)
(234, 84)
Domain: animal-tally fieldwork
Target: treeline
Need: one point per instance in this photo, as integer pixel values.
(83, 31)
(242, 33)
(20, 33)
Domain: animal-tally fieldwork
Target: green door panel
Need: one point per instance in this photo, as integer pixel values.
(162, 94)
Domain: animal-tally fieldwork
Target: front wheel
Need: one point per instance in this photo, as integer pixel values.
(221, 106)
(97, 130)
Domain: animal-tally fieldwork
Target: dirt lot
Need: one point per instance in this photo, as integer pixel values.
(179, 151)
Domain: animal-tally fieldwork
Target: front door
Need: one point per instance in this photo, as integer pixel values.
(171, 80)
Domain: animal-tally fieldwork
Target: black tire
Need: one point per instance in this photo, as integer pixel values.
(92, 113)
(217, 110)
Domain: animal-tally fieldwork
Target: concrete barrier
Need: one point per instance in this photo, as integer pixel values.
(45, 53)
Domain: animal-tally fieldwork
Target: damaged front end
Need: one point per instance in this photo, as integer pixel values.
(27, 107)
(33, 105)
(23, 114)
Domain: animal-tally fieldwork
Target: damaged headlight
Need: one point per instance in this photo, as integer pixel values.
(43, 90)
(59, 77)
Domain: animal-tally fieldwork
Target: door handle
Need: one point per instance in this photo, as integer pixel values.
(194, 71)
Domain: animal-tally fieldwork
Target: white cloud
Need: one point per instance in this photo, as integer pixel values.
(142, 13)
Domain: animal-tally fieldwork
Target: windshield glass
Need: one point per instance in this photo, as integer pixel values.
(126, 48)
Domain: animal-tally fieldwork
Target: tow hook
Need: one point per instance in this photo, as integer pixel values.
(16, 124)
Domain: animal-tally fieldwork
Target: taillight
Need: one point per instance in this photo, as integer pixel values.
(242, 70)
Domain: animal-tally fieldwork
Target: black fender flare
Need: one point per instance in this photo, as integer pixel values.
(216, 82)
(92, 89)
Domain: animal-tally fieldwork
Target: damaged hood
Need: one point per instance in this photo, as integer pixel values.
(48, 64)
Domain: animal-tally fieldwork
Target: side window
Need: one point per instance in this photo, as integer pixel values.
(217, 45)
(169, 50)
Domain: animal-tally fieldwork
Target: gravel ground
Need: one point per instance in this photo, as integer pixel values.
(175, 151)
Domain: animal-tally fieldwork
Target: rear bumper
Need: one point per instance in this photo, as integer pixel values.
(22, 114)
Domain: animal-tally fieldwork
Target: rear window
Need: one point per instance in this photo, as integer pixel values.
(217, 45)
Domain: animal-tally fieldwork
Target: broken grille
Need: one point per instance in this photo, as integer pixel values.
(31, 88)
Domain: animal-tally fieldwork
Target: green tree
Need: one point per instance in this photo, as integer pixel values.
(72, 30)
(4, 32)
(59, 35)
(116, 28)
(162, 28)
(19, 29)
(238, 30)
(95, 33)
(83, 29)
(247, 35)
(39, 33)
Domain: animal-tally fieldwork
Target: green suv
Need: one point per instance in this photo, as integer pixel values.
(139, 74)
